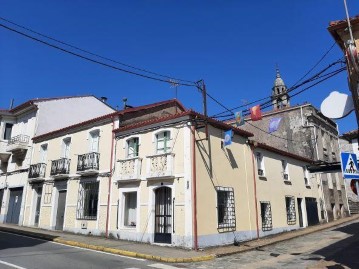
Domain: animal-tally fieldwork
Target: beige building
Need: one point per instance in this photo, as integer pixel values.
(161, 174)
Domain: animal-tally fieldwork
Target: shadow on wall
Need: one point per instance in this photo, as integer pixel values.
(344, 252)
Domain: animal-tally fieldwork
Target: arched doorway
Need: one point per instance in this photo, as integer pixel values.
(163, 215)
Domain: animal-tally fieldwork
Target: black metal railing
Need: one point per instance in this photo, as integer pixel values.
(88, 161)
(37, 170)
(60, 167)
(19, 139)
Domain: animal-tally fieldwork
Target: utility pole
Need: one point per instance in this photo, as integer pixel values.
(202, 88)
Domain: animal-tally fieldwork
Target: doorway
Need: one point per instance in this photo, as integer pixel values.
(163, 215)
(300, 213)
(61, 203)
(38, 205)
(14, 208)
(312, 211)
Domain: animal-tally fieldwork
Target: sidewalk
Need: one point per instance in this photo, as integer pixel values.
(161, 253)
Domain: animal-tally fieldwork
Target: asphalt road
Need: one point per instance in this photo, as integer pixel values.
(21, 252)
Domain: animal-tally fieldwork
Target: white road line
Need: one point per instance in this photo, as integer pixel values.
(162, 266)
(12, 265)
(102, 252)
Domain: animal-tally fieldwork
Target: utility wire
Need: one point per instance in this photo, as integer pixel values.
(92, 60)
(94, 54)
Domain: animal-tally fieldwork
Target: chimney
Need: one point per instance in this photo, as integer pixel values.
(104, 99)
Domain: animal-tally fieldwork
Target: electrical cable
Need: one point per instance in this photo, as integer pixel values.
(92, 60)
(94, 54)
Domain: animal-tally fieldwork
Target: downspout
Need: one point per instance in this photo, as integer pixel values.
(110, 177)
(255, 189)
(194, 189)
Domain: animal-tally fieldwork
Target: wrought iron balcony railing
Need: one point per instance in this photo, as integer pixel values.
(37, 170)
(160, 165)
(88, 162)
(129, 169)
(60, 167)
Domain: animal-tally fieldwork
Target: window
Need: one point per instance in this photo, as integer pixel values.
(87, 200)
(7, 132)
(133, 147)
(285, 170)
(43, 153)
(65, 150)
(334, 157)
(260, 163)
(290, 207)
(266, 216)
(226, 208)
(162, 142)
(48, 193)
(306, 176)
(130, 208)
(94, 140)
(330, 181)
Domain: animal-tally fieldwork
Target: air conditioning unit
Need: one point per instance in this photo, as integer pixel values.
(285, 176)
(83, 224)
(260, 172)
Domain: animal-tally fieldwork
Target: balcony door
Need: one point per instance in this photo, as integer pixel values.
(163, 215)
(43, 153)
(66, 148)
(38, 205)
(94, 141)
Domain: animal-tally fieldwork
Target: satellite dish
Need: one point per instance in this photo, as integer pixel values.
(337, 105)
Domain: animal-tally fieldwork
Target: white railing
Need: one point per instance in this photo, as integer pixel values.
(128, 169)
(160, 165)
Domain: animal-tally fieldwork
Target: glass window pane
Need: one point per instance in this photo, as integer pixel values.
(130, 209)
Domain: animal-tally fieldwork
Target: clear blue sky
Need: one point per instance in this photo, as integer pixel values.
(233, 45)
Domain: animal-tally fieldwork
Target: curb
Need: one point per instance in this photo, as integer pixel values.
(107, 249)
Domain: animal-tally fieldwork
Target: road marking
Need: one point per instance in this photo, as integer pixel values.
(162, 266)
(12, 265)
(102, 252)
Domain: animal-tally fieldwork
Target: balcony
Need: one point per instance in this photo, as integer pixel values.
(128, 169)
(37, 172)
(4, 155)
(18, 145)
(60, 168)
(88, 164)
(160, 166)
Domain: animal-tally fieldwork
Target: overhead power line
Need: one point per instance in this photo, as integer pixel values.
(170, 80)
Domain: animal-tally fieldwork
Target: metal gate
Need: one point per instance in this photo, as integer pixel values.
(163, 215)
(312, 211)
(14, 208)
(61, 202)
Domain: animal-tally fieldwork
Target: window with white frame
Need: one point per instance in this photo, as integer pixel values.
(266, 216)
(226, 208)
(285, 170)
(65, 148)
(163, 142)
(130, 209)
(43, 153)
(94, 139)
(306, 176)
(87, 200)
(133, 147)
(290, 208)
(260, 164)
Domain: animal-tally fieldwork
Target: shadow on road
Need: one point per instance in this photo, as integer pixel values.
(345, 251)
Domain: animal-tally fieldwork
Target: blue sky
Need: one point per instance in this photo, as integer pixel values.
(233, 45)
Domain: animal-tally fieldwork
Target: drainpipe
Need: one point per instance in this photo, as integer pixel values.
(194, 189)
(255, 189)
(110, 177)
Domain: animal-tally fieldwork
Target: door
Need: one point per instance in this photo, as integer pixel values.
(14, 208)
(61, 203)
(312, 211)
(163, 215)
(38, 206)
(300, 213)
(1, 197)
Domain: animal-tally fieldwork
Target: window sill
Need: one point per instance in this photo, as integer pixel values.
(287, 182)
(128, 228)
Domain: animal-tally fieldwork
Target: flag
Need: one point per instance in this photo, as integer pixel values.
(227, 138)
(239, 118)
(256, 113)
(274, 124)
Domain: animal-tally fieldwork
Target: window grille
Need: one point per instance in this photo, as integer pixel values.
(226, 209)
(266, 216)
(87, 201)
(290, 207)
(48, 193)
